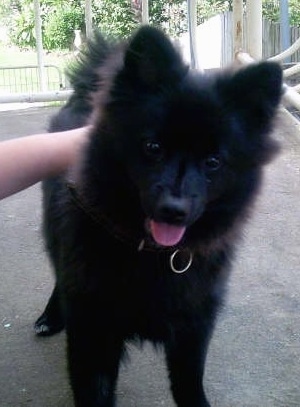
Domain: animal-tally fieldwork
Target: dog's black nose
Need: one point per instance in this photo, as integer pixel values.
(172, 209)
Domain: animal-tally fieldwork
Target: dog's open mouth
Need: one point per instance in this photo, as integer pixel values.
(166, 234)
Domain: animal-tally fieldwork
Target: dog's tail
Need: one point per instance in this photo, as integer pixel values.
(83, 71)
(83, 75)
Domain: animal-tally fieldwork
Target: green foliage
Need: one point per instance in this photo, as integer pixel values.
(5, 10)
(271, 11)
(114, 18)
(169, 15)
(60, 24)
(294, 11)
(172, 14)
(22, 30)
(209, 8)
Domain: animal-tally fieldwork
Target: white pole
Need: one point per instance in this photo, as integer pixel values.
(39, 45)
(238, 26)
(254, 28)
(145, 12)
(192, 25)
(49, 96)
(88, 18)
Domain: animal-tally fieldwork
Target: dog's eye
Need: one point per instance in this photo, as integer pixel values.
(213, 162)
(153, 149)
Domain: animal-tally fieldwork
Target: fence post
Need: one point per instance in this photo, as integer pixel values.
(238, 26)
(254, 28)
(192, 25)
(39, 44)
(145, 12)
(88, 18)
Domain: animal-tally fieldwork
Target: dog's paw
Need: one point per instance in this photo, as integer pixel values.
(45, 327)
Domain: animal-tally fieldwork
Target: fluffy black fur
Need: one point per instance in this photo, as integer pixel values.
(168, 146)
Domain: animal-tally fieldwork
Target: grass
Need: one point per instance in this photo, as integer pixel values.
(26, 79)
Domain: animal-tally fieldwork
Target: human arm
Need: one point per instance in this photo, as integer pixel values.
(27, 160)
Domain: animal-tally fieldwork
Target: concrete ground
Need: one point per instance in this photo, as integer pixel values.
(254, 357)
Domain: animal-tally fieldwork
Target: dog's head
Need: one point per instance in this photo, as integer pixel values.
(192, 144)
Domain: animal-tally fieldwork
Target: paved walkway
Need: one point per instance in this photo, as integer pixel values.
(254, 358)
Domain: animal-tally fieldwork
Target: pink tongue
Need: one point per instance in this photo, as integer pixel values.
(165, 234)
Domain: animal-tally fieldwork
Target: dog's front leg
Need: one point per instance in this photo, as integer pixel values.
(51, 321)
(94, 356)
(185, 355)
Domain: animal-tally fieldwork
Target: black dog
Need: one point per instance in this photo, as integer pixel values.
(142, 238)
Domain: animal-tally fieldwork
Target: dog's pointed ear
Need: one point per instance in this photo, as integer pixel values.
(256, 92)
(151, 59)
(252, 96)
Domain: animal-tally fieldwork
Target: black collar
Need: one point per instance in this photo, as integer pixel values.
(102, 219)
(126, 236)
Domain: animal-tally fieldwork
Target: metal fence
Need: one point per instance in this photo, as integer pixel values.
(25, 79)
